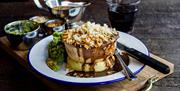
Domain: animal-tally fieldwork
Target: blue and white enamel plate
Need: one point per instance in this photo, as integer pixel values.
(39, 53)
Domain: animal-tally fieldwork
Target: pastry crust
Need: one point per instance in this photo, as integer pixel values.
(99, 65)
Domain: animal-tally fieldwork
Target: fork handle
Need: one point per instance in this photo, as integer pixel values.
(129, 74)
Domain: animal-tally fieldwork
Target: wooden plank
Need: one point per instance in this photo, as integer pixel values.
(126, 85)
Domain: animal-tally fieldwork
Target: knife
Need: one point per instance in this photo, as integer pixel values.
(145, 59)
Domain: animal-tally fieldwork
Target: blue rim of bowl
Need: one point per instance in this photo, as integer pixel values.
(78, 83)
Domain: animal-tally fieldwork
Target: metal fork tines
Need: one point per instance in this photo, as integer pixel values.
(127, 72)
(149, 84)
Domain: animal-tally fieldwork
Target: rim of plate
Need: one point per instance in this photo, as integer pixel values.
(87, 83)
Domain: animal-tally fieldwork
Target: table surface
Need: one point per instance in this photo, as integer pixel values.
(139, 83)
(157, 25)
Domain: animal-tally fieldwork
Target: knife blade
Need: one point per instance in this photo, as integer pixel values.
(145, 59)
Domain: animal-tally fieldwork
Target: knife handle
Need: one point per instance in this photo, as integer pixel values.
(148, 60)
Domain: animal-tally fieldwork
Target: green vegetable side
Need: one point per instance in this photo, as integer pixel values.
(56, 52)
(29, 26)
(22, 27)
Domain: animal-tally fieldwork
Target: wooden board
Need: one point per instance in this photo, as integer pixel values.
(126, 85)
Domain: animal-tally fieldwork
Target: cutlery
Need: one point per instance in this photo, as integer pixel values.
(128, 73)
(145, 59)
(149, 83)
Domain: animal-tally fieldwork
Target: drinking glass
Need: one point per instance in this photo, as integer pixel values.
(122, 14)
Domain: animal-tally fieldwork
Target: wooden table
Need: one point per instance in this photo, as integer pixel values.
(157, 25)
(142, 77)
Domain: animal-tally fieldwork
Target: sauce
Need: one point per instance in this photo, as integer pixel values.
(61, 11)
(54, 24)
(116, 68)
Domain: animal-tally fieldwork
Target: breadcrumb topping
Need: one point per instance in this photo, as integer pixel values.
(89, 35)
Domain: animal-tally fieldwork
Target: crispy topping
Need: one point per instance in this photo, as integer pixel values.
(89, 35)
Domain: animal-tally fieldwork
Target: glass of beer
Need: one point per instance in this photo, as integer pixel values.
(122, 14)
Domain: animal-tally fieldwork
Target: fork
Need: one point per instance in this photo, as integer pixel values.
(149, 84)
(127, 72)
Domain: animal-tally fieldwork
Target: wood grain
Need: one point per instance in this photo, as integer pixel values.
(157, 26)
(125, 85)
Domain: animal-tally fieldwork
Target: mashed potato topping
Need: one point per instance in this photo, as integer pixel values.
(89, 35)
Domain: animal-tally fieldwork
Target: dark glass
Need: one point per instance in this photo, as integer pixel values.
(122, 17)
